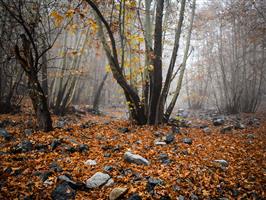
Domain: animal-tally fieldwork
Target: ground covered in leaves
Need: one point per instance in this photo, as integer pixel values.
(31, 161)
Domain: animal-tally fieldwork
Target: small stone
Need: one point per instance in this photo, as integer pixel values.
(164, 158)
(227, 129)
(206, 130)
(152, 182)
(250, 136)
(70, 149)
(223, 163)
(181, 197)
(90, 162)
(175, 129)
(25, 146)
(194, 197)
(169, 138)
(28, 132)
(5, 134)
(218, 121)
(176, 188)
(108, 168)
(158, 133)
(55, 167)
(97, 180)
(165, 197)
(107, 155)
(134, 158)
(83, 148)
(187, 141)
(55, 143)
(110, 182)
(239, 125)
(134, 196)
(117, 193)
(65, 178)
(63, 192)
(160, 143)
(123, 130)
(60, 124)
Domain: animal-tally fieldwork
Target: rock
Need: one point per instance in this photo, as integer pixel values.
(164, 158)
(28, 132)
(90, 162)
(65, 178)
(218, 121)
(239, 125)
(158, 133)
(202, 126)
(254, 121)
(108, 168)
(55, 143)
(123, 129)
(70, 149)
(158, 143)
(170, 137)
(5, 134)
(83, 148)
(117, 193)
(181, 197)
(41, 147)
(222, 163)
(206, 130)
(134, 196)
(227, 129)
(194, 197)
(250, 136)
(60, 124)
(175, 129)
(110, 182)
(134, 158)
(187, 141)
(63, 191)
(23, 147)
(176, 188)
(55, 167)
(107, 155)
(152, 182)
(165, 197)
(97, 180)
(44, 175)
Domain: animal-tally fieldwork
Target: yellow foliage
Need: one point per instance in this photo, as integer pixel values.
(57, 17)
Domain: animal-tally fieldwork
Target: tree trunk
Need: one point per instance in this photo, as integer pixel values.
(98, 93)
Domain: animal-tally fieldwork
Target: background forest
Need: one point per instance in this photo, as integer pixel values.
(165, 70)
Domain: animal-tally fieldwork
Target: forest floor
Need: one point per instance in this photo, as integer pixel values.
(208, 164)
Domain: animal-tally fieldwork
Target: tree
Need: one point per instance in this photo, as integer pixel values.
(150, 107)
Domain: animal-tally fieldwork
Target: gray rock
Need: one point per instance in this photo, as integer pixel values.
(250, 136)
(158, 133)
(194, 197)
(28, 132)
(181, 197)
(152, 182)
(55, 167)
(117, 193)
(63, 192)
(175, 129)
(160, 143)
(134, 158)
(23, 147)
(65, 178)
(164, 158)
(90, 162)
(218, 121)
(60, 124)
(110, 182)
(239, 125)
(97, 180)
(134, 197)
(187, 141)
(55, 143)
(83, 148)
(206, 130)
(222, 163)
(5, 134)
(227, 129)
(123, 129)
(170, 137)
(108, 168)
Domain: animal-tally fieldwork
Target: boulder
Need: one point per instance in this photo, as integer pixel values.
(117, 193)
(218, 121)
(206, 130)
(97, 180)
(227, 129)
(134, 158)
